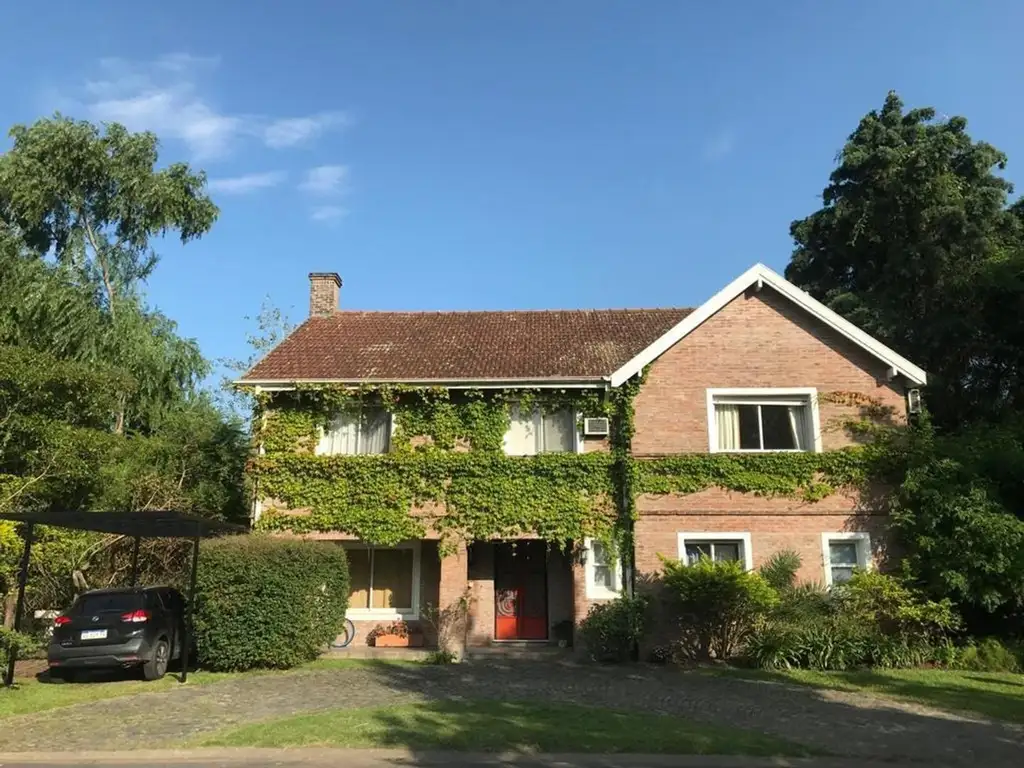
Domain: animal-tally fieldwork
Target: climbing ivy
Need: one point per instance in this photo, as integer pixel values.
(446, 471)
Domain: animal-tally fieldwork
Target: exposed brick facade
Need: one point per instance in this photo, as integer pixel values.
(758, 340)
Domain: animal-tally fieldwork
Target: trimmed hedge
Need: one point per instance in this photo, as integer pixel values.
(22, 643)
(264, 601)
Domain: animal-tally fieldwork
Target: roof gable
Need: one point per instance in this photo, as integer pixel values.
(760, 275)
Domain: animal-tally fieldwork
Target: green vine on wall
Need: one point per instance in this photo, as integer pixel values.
(446, 471)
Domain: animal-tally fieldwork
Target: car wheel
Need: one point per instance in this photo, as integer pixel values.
(156, 667)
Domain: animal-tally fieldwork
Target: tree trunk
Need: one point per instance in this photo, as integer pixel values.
(10, 601)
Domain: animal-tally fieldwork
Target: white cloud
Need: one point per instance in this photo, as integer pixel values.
(328, 213)
(243, 185)
(720, 145)
(324, 179)
(290, 131)
(164, 96)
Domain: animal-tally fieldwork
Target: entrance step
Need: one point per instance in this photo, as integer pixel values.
(514, 650)
(381, 654)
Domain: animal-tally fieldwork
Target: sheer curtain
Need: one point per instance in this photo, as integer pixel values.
(727, 421)
(376, 429)
(559, 430)
(798, 425)
(341, 435)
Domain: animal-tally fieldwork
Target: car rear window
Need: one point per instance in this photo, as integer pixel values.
(123, 601)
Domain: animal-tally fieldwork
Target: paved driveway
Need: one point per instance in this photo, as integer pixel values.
(844, 724)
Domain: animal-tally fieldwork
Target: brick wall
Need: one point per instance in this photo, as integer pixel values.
(757, 340)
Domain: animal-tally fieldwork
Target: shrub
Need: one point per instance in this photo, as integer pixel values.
(719, 604)
(989, 655)
(887, 603)
(780, 569)
(19, 642)
(439, 658)
(270, 602)
(611, 630)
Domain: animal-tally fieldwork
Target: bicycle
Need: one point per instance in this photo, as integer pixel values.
(346, 636)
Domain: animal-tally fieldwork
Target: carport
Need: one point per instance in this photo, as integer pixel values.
(166, 524)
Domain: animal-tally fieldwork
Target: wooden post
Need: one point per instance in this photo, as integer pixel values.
(20, 605)
(135, 561)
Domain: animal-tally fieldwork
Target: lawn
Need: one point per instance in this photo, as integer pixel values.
(492, 726)
(999, 695)
(31, 695)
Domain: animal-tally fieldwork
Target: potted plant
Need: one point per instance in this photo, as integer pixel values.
(397, 634)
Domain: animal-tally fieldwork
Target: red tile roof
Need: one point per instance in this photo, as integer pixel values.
(477, 346)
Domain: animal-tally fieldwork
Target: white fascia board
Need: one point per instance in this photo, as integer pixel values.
(760, 274)
(277, 385)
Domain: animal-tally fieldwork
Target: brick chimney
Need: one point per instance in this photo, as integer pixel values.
(324, 293)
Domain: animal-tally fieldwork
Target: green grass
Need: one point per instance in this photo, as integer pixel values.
(491, 726)
(30, 695)
(998, 695)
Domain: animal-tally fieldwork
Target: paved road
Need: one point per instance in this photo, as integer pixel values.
(335, 758)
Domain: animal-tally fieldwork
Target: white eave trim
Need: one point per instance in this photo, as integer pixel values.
(285, 384)
(761, 275)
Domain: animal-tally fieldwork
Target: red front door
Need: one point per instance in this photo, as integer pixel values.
(521, 591)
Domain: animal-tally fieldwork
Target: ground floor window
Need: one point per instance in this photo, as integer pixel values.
(716, 546)
(843, 553)
(384, 581)
(604, 576)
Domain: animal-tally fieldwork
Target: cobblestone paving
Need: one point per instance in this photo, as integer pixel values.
(845, 724)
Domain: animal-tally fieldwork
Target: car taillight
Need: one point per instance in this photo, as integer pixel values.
(135, 617)
(60, 621)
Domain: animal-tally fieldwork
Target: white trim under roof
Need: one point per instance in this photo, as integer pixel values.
(760, 275)
(277, 385)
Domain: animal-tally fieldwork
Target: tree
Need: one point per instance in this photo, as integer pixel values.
(272, 326)
(95, 199)
(915, 244)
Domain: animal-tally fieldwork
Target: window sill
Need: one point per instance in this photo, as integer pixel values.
(764, 450)
(602, 594)
(381, 614)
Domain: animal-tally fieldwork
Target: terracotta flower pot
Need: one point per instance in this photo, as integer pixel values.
(397, 641)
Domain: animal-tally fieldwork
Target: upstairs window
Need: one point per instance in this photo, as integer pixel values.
(533, 432)
(762, 420)
(363, 432)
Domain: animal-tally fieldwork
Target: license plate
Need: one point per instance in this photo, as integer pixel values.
(94, 634)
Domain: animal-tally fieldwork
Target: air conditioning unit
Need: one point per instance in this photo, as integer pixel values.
(914, 401)
(596, 426)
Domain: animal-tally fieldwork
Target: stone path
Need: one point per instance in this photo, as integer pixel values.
(844, 724)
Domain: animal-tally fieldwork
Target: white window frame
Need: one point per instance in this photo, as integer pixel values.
(697, 537)
(388, 614)
(322, 433)
(595, 591)
(538, 433)
(864, 557)
(765, 396)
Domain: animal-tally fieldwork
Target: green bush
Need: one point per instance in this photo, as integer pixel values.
(19, 642)
(263, 601)
(780, 569)
(611, 630)
(718, 603)
(874, 620)
(989, 655)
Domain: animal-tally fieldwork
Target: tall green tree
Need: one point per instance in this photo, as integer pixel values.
(916, 244)
(96, 200)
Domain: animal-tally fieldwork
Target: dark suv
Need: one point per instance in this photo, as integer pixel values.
(111, 628)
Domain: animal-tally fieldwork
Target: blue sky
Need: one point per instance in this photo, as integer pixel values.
(481, 154)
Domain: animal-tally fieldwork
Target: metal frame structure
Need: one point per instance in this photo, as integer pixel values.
(166, 524)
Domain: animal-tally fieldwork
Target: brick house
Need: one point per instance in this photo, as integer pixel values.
(761, 367)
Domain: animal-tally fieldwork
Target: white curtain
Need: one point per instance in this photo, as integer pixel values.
(341, 435)
(376, 429)
(521, 438)
(727, 421)
(798, 425)
(352, 433)
(559, 428)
